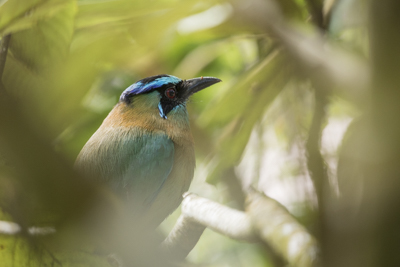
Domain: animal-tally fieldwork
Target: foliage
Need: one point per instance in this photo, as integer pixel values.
(295, 74)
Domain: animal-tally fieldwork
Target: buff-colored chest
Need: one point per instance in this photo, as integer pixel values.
(177, 128)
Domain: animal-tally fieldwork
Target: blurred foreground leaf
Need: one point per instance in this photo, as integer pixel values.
(18, 251)
(20, 15)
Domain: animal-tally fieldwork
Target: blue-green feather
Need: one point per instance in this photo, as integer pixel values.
(148, 84)
(135, 163)
(150, 160)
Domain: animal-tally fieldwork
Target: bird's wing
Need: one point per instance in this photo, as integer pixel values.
(149, 165)
(135, 163)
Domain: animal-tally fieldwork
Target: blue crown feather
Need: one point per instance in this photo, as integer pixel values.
(148, 84)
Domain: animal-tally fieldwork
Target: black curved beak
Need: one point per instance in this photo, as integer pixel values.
(192, 86)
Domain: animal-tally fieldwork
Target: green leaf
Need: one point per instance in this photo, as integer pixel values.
(237, 99)
(248, 105)
(102, 13)
(35, 57)
(17, 15)
(48, 41)
(18, 251)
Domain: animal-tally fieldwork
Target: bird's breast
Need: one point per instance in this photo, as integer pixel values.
(176, 184)
(176, 127)
(125, 119)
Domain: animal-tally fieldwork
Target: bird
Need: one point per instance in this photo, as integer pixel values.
(144, 149)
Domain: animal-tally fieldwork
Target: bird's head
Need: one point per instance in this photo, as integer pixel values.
(165, 92)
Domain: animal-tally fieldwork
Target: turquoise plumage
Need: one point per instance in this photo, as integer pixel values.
(144, 149)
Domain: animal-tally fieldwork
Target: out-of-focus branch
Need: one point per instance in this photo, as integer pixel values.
(237, 194)
(316, 164)
(328, 66)
(12, 228)
(199, 213)
(315, 7)
(265, 220)
(183, 237)
(9, 228)
(3, 56)
(278, 228)
(219, 218)
(234, 187)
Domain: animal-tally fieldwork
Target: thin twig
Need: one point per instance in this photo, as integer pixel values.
(5, 41)
(316, 10)
(315, 161)
(316, 164)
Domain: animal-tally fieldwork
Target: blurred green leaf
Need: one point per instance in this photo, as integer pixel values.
(242, 107)
(238, 99)
(35, 56)
(102, 12)
(63, 66)
(17, 15)
(17, 251)
(48, 40)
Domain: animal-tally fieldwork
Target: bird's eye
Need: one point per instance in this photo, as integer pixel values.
(170, 93)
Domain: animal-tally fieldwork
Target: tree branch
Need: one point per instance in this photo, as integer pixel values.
(316, 163)
(9, 228)
(265, 220)
(183, 237)
(278, 228)
(328, 67)
(12, 228)
(199, 213)
(315, 8)
(219, 218)
(5, 41)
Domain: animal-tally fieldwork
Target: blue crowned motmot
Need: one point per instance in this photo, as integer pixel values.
(144, 149)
